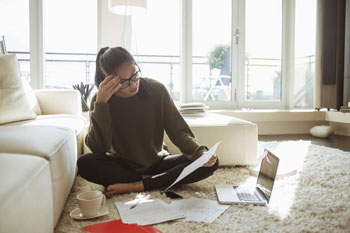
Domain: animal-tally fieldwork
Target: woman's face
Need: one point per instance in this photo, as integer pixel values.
(129, 75)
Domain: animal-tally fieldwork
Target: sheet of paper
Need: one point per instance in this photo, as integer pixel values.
(199, 210)
(149, 212)
(195, 164)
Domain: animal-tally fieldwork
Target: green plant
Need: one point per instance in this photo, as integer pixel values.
(85, 91)
(216, 56)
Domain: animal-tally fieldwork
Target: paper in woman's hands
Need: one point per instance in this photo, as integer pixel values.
(195, 164)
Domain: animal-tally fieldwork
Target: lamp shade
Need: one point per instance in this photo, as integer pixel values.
(127, 7)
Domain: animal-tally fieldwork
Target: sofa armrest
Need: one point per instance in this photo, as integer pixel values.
(59, 101)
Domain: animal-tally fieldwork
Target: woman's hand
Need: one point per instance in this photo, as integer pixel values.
(109, 86)
(210, 162)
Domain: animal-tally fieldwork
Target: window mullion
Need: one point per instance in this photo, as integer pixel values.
(186, 51)
(235, 28)
(37, 51)
(241, 55)
(288, 52)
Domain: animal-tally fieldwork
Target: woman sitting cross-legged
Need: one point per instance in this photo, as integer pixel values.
(128, 116)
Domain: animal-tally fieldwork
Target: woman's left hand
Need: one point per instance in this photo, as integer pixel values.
(210, 162)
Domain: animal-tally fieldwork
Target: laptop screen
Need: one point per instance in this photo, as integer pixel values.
(267, 174)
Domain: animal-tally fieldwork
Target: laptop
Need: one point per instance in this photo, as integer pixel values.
(260, 195)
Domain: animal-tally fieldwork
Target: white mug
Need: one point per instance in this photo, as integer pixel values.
(91, 202)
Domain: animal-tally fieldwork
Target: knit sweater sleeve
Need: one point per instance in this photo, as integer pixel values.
(178, 130)
(99, 136)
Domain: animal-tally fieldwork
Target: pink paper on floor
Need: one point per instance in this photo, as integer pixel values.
(118, 226)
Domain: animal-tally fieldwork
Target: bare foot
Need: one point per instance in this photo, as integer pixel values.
(124, 188)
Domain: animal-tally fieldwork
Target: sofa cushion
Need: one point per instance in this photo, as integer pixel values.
(14, 105)
(55, 144)
(75, 123)
(26, 194)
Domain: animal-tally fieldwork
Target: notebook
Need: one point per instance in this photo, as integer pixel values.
(258, 195)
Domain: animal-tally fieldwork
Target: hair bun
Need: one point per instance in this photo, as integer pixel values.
(105, 49)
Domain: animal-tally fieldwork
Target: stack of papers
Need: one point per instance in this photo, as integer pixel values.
(144, 211)
(148, 212)
(157, 211)
(198, 210)
(193, 108)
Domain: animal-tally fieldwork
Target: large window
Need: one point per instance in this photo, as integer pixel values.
(226, 53)
(14, 26)
(266, 70)
(70, 42)
(156, 43)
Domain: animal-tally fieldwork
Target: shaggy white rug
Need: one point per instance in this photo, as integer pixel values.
(315, 199)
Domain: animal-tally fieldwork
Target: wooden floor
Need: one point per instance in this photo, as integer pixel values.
(334, 141)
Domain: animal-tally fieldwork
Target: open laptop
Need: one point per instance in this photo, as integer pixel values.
(260, 195)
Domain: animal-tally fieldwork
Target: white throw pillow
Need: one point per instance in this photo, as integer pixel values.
(31, 97)
(14, 105)
(322, 131)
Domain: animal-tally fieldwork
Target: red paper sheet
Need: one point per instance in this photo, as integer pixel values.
(118, 226)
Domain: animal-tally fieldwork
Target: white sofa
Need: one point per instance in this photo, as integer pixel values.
(38, 162)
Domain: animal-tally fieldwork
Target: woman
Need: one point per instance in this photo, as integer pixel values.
(128, 116)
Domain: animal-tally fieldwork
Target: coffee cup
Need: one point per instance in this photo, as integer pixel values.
(91, 202)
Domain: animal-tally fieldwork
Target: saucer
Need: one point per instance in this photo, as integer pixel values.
(76, 214)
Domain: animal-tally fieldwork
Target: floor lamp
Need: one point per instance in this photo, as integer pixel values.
(126, 8)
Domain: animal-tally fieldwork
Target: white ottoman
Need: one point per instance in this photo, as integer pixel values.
(239, 138)
(26, 194)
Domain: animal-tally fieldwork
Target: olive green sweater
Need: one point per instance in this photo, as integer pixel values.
(133, 128)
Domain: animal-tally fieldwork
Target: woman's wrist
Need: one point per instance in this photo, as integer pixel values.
(100, 100)
(204, 150)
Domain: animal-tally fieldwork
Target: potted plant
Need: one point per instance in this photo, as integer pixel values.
(85, 91)
(216, 57)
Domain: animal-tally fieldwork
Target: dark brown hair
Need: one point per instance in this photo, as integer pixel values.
(108, 59)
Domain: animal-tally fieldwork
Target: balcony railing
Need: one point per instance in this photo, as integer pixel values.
(62, 70)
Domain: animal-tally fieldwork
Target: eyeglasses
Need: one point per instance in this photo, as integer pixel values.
(134, 77)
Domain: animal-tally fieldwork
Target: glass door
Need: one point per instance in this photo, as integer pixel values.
(212, 80)
(260, 84)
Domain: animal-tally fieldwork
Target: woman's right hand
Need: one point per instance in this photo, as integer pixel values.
(109, 86)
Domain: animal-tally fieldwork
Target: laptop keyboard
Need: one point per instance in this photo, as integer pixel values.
(244, 194)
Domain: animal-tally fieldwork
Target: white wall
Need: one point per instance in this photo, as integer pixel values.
(292, 122)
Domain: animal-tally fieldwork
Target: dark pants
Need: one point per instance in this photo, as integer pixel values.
(106, 170)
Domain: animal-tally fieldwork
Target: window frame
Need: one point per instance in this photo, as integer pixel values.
(287, 78)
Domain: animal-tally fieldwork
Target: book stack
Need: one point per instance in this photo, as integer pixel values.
(193, 109)
(344, 109)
